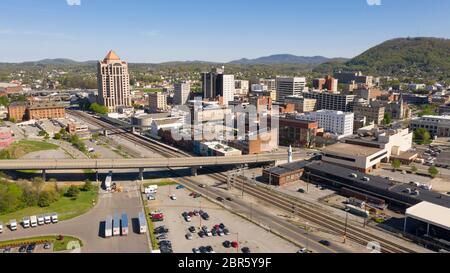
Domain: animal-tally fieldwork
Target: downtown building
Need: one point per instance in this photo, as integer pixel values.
(335, 122)
(113, 82)
(331, 101)
(182, 93)
(217, 84)
(290, 86)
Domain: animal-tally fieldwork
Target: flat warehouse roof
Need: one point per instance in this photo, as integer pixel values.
(431, 213)
(350, 149)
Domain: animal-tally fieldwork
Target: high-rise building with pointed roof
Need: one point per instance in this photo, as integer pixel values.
(113, 82)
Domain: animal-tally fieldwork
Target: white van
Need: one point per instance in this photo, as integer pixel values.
(48, 219)
(41, 220)
(13, 225)
(33, 221)
(26, 222)
(54, 218)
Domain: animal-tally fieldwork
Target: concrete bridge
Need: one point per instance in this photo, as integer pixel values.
(139, 163)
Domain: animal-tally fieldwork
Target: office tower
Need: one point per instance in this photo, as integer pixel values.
(241, 87)
(157, 102)
(290, 86)
(216, 83)
(113, 82)
(225, 87)
(182, 93)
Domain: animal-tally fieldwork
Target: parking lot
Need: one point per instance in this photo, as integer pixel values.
(90, 226)
(242, 231)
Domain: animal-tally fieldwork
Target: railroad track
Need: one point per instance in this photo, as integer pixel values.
(290, 205)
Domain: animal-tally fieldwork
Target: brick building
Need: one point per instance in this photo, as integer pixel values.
(45, 111)
(17, 111)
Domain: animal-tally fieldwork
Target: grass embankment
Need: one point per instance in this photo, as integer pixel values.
(58, 245)
(160, 182)
(66, 207)
(23, 147)
(151, 228)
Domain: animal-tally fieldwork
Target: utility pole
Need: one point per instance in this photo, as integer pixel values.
(307, 237)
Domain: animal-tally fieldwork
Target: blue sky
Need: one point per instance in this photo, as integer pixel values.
(168, 30)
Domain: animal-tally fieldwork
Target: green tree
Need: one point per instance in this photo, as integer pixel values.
(433, 171)
(87, 186)
(99, 109)
(58, 136)
(396, 164)
(387, 119)
(414, 169)
(422, 136)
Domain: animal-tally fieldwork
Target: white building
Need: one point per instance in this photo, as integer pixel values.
(241, 87)
(290, 86)
(226, 88)
(335, 122)
(182, 93)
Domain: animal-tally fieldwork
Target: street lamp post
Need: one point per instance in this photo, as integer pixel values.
(346, 225)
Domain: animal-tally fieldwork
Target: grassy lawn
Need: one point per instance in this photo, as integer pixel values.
(160, 182)
(23, 147)
(65, 207)
(57, 244)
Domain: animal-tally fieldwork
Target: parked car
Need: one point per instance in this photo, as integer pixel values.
(179, 187)
(22, 249)
(205, 216)
(192, 229)
(220, 199)
(234, 244)
(303, 250)
(214, 232)
(47, 246)
(227, 244)
(325, 243)
(7, 250)
(222, 226)
(189, 236)
(201, 234)
(196, 250)
(162, 237)
(226, 231)
(246, 250)
(188, 218)
(202, 186)
(31, 248)
(210, 249)
(301, 191)
(229, 199)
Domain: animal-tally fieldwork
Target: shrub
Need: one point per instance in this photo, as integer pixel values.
(73, 192)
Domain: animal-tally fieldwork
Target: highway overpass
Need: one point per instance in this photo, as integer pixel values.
(137, 163)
